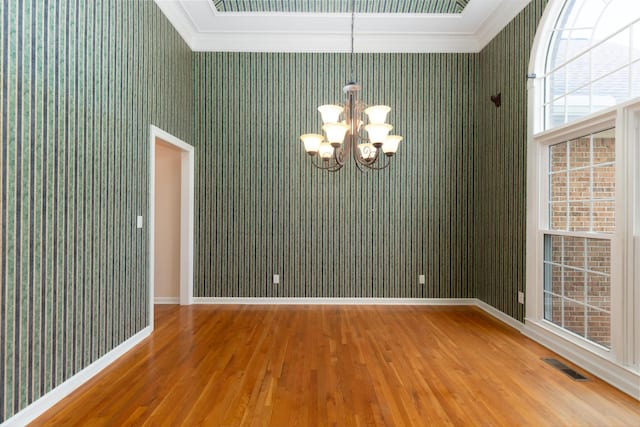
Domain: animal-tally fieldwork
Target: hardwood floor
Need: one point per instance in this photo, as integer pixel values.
(338, 365)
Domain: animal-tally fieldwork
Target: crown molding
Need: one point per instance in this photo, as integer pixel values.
(205, 30)
(318, 43)
(498, 20)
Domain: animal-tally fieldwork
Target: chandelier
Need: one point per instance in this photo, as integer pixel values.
(351, 135)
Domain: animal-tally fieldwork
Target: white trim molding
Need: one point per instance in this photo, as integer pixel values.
(203, 28)
(37, 408)
(187, 212)
(618, 376)
(504, 318)
(335, 301)
(494, 312)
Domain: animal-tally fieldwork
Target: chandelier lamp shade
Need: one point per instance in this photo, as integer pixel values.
(370, 145)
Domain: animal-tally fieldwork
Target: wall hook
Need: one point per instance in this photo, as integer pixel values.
(496, 99)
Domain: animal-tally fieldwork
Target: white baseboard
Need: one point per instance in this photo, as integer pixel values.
(504, 318)
(35, 409)
(618, 376)
(336, 301)
(166, 300)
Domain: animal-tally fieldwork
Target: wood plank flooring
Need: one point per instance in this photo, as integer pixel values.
(338, 366)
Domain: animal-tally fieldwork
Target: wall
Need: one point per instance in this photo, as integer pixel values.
(80, 84)
(167, 221)
(500, 164)
(262, 208)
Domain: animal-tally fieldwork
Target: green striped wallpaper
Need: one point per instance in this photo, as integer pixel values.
(501, 165)
(80, 84)
(342, 6)
(262, 208)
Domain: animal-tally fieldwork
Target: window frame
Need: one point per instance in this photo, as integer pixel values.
(543, 141)
(620, 365)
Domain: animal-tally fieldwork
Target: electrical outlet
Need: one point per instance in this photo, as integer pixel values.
(521, 297)
(276, 279)
(421, 279)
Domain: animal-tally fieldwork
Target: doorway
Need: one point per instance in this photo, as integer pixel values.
(170, 220)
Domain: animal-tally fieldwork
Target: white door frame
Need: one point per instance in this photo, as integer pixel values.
(187, 153)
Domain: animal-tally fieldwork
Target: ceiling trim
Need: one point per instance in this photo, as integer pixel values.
(204, 29)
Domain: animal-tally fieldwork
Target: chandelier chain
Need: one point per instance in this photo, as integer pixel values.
(353, 19)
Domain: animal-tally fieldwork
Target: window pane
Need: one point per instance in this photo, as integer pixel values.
(599, 327)
(557, 111)
(599, 255)
(599, 291)
(615, 15)
(580, 184)
(580, 152)
(553, 249)
(635, 42)
(553, 278)
(579, 104)
(582, 14)
(558, 49)
(635, 80)
(558, 213)
(610, 90)
(574, 284)
(604, 184)
(580, 216)
(558, 157)
(553, 309)
(574, 317)
(578, 71)
(574, 252)
(604, 217)
(556, 84)
(615, 50)
(604, 147)
(559, 187)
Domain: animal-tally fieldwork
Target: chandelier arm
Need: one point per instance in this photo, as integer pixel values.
(328, 167)
(365, 162)
(355, 152)
(336, 169)
(362, 161)
(379, 168)
(341, 157)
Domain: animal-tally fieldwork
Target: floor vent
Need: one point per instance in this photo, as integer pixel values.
(564, 368)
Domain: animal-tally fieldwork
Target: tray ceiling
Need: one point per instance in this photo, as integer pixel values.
(341, 6)
(325, 25)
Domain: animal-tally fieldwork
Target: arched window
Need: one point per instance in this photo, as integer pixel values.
(583, 184)
(592, 61)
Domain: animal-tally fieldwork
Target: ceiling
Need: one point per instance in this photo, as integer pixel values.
(341, 6)
(325, 25)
